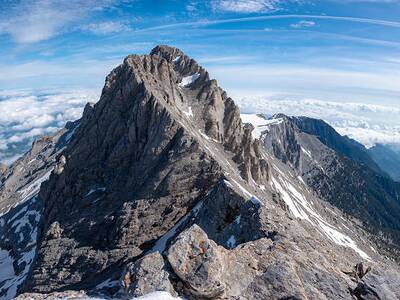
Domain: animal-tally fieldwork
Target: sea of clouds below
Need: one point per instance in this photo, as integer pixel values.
(25, 115)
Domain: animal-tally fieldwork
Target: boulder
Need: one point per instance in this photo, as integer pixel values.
(146, 275)
(198, 263)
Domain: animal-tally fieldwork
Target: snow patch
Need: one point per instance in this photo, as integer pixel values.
(255, 201)
(205, 136)
(159, 296)
(237, 220)
(260, 123)
(246, 192)
(33, 188)
(93, 190)
(71, 133)
(6, 265)
(294, 207)
(301, 208)
(107, 284)
(188, 113)
(306, 152)
(187, 80)
(341, 239)
(6, 274)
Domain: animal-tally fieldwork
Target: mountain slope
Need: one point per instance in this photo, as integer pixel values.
(342, 145)
(162, 187)
(387, 159)
(348, 184)
(21, 209)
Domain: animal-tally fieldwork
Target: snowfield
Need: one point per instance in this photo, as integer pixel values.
(187, 80)
(302, 209)
(260, 123)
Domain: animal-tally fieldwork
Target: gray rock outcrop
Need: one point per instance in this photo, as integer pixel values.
(197, 262)
(146, 275)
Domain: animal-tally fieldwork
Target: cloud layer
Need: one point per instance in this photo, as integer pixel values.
(26, 115)
(369, 124)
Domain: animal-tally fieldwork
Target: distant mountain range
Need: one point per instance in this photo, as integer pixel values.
(163, 187)
(388, 159)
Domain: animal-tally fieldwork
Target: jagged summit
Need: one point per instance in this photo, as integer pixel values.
(161, 133)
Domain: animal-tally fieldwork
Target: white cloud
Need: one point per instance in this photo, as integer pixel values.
(246, 6)
(104, 28)
(33, 21)
(303, 24)
(26, 115)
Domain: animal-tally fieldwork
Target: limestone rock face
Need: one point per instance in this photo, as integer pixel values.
(21, 209)
(161, 136)
(3, 168)
(378, 285)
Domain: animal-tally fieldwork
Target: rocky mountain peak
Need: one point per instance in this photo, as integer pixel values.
(160, 138)
(177, 82)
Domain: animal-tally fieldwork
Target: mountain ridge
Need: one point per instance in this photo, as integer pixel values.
(335, 175)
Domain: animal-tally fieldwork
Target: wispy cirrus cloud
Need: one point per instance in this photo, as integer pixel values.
(303, 24)
(246, 6)
(103, 28)
(34, 21)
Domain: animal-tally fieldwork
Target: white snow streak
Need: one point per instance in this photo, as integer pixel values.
(188, 113)
(33, 188)
(162, 241)
(6, 265)
(93, 190)
(300, 208)
(306, 152)
(176, 58)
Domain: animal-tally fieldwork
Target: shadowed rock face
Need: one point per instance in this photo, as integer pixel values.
(21, 209)
(387, 159)
(139, 161)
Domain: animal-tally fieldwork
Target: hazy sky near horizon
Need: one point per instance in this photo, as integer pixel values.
(290, 52)
(332, 49)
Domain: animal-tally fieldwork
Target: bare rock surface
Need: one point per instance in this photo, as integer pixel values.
(146, 275)
(198, 262)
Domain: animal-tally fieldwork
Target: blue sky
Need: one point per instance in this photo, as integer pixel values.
(341, 51)
(348, 49)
